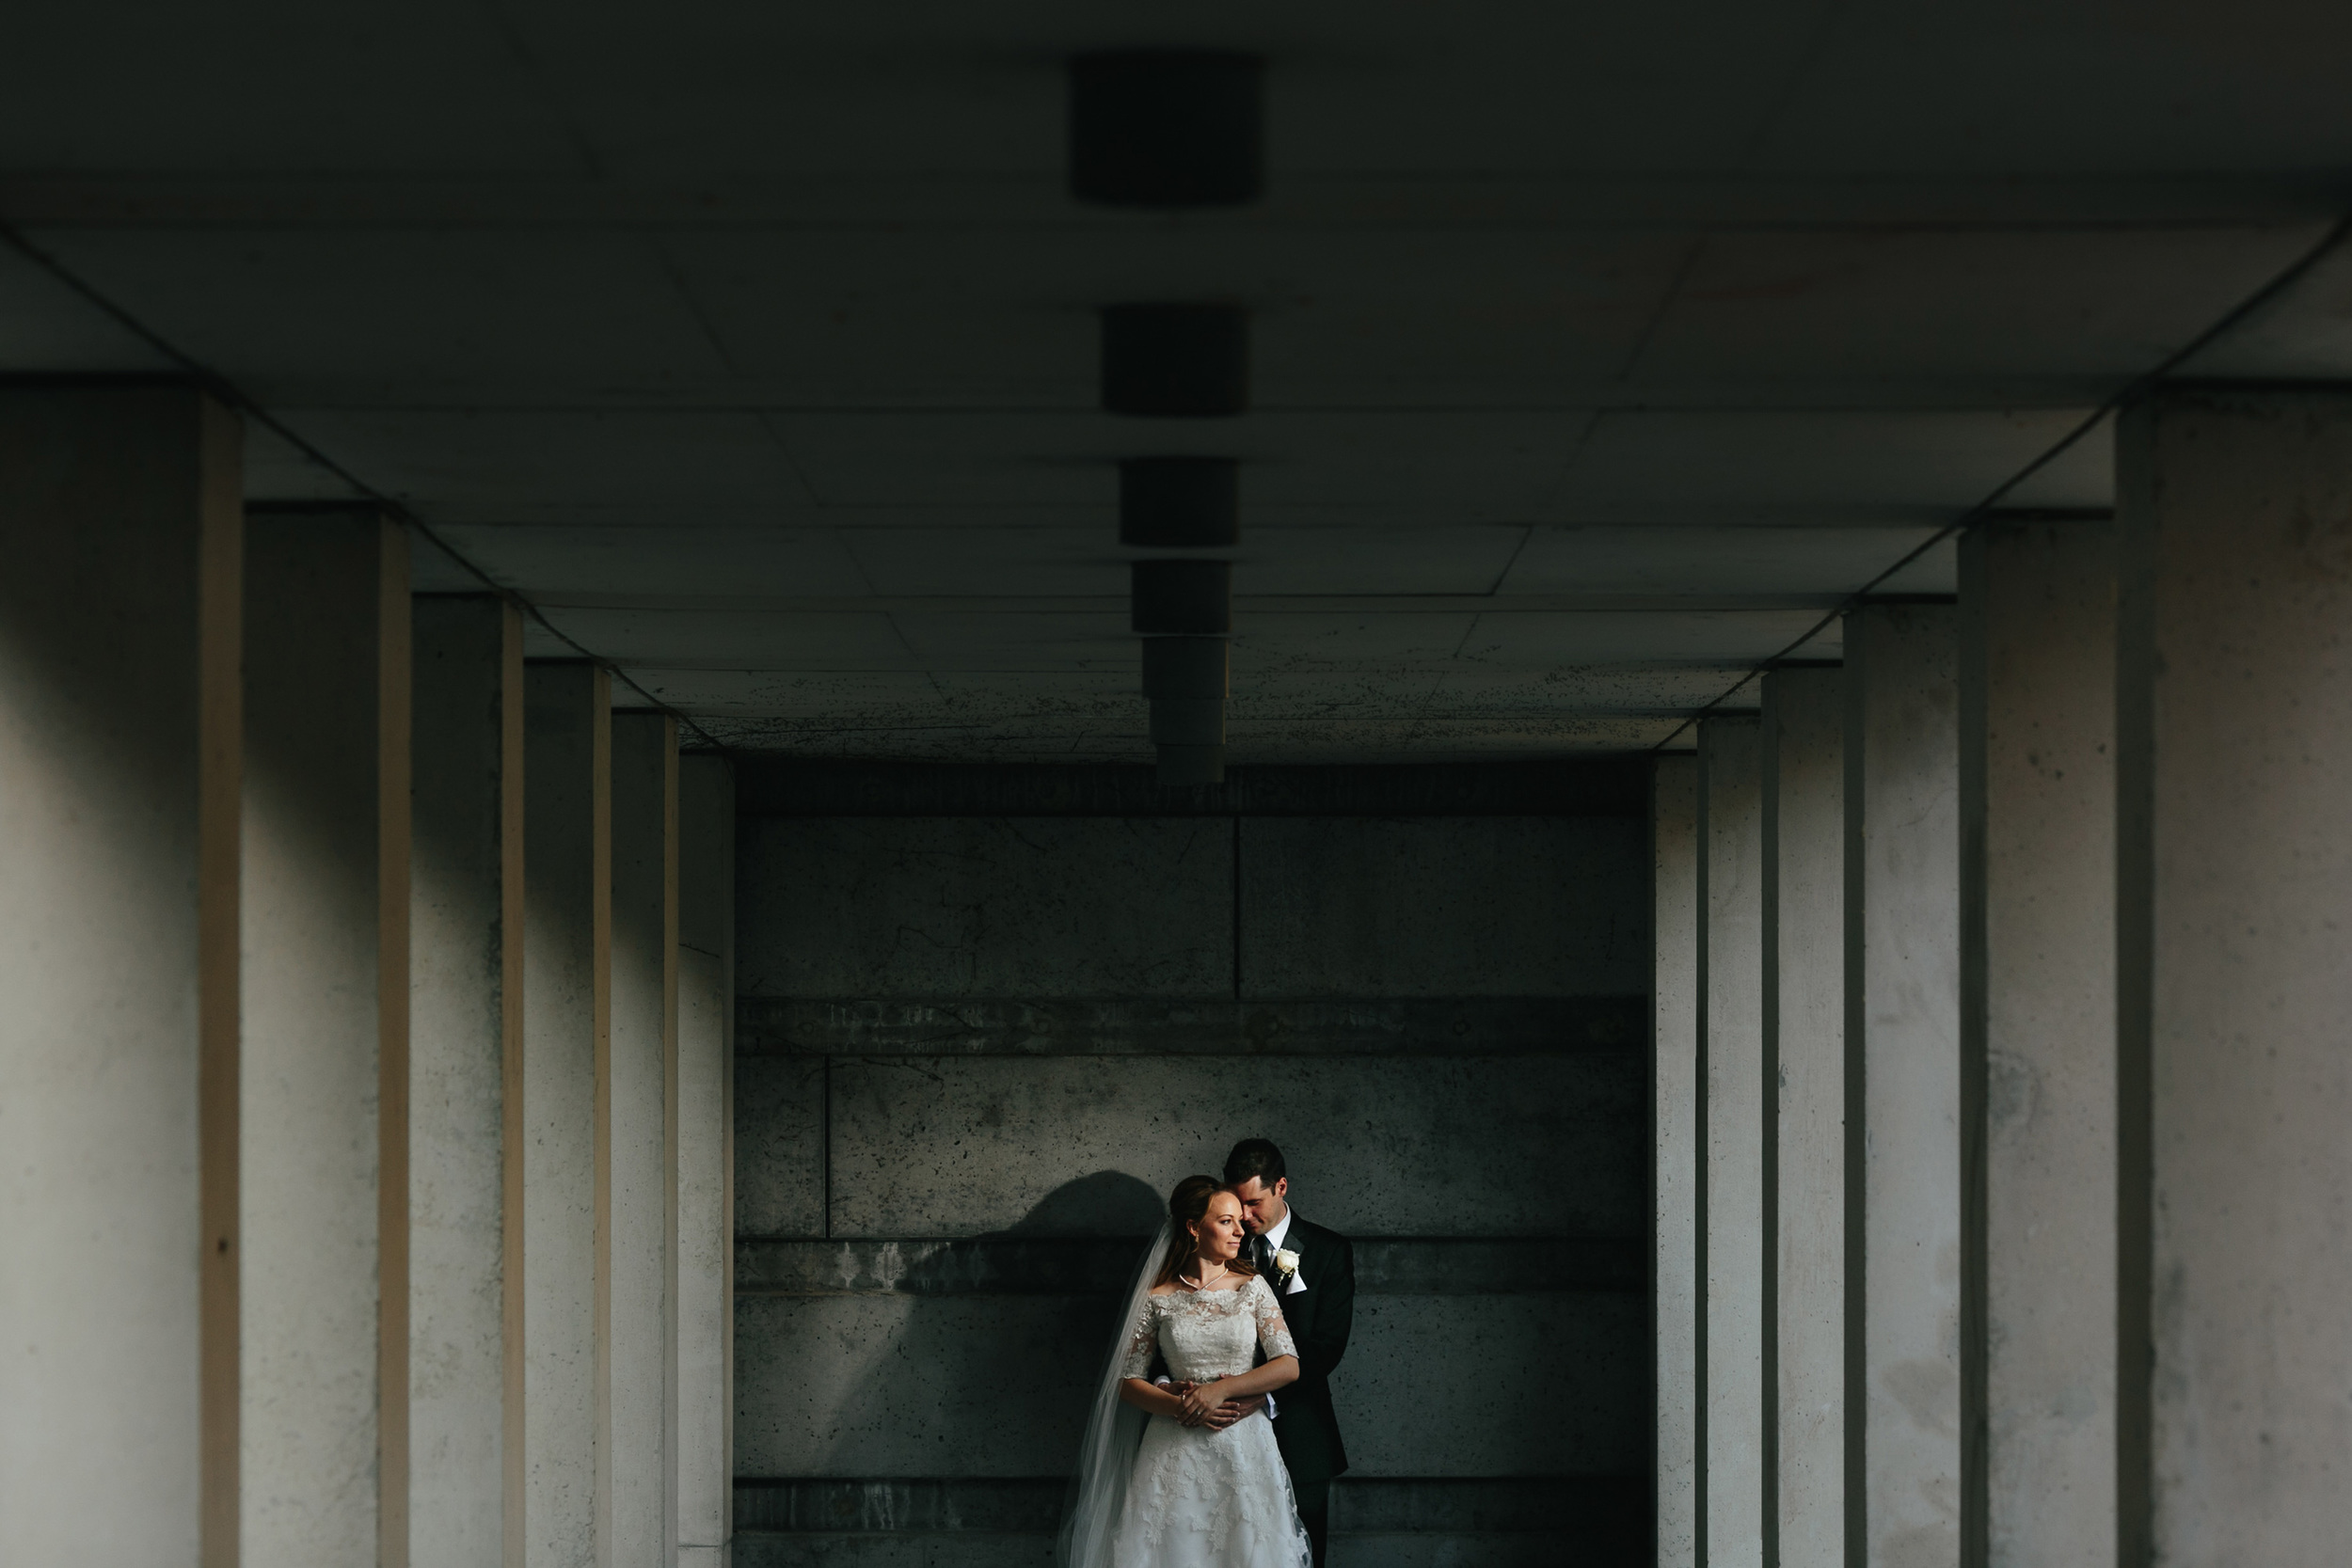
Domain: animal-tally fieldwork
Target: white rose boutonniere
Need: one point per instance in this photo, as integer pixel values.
(1286, 1263)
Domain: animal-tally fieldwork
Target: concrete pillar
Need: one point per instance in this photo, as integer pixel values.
(1676, 1290)
(2037, 1046)
(632, 1135)
(1732, 1112)
(1903, 1041)
(323, 1114)
(120, 755)
(466, 990)
(2234, 850)
(1804, 1061)
(567, 934)
(702, 1168)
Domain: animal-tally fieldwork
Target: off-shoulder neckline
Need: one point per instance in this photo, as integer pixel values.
(1171, 1291)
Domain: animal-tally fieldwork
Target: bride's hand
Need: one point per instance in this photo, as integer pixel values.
(1202, 1401)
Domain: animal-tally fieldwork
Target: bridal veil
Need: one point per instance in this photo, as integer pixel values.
(1106, 1456)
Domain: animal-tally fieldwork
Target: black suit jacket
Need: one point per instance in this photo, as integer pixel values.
(1319, 1318)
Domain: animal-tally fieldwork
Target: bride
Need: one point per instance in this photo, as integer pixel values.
(1180, 1477)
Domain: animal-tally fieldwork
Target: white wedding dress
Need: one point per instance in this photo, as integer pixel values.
(1199, 1498)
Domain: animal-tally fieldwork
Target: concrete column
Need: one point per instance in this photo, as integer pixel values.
(1676, 1290)
(2038, 1059)
(702, 1168)
(1902, 1045)
(568, 938)
(324, 1116)
(120, 755)
(1731, 1139)
(465, 991)
(2235, 848)
(1805, 1017)
(632, 1135)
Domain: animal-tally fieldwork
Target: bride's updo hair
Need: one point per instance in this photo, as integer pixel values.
(1187, 1205)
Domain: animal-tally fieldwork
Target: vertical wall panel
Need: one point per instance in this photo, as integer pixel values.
(120, 804)
(1902, 1030)
(1805, 816)
(702, 1166)
(1677, 1290)
(633, 1144)
(466, 1012)
(325, 1003)
(1732, 1114)
(2038, 604)
(566, 1016)
(2234, 731)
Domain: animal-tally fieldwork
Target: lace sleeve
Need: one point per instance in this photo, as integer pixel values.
(1273, 1333)
(1141, 1342)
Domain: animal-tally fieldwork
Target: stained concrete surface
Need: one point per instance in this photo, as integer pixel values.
(779, 1145)
(459, 958)
(1902, 816)
(1804, 914)
(1446, 907)
(982, 907)
(873, 1384)
(1732, 1118)
(1383, 1146)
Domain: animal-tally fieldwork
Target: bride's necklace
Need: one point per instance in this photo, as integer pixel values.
(1205, 1280)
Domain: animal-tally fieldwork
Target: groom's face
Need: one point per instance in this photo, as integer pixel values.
(1262, 1206)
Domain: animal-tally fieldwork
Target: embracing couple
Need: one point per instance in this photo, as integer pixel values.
(1224, 1459)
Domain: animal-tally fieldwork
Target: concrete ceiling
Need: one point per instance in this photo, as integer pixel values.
(1597, 357)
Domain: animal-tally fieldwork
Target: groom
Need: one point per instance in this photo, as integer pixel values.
(1317, 1290)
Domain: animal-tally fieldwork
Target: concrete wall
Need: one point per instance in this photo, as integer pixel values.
(974, 1052)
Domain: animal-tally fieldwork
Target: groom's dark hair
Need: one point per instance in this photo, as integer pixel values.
(1254, 1158)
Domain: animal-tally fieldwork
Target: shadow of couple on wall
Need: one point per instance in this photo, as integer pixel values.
(985, 1352)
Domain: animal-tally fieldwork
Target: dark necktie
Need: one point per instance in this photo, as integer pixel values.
(1261, 1254)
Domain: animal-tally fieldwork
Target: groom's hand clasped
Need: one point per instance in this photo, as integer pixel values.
(1202, 1411)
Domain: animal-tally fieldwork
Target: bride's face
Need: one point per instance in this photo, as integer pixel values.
(1219, 1232)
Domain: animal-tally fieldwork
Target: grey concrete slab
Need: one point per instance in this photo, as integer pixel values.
(1089, 1146)
(703, 1199)
(779, 1137)
(1792, 560)
(464, 965)
(1805, 932)
(2232, 723)
(1532, 1385)
(633, 1442)
(897, 1385)
(1678, 1292)
(878, 907)
(869, 1385)
(566, 976)
(552, 560)
(848, 640)
(1734, 1110)
(1490, 466)
(1902, 978)
(119, 758)
(1857, 465)
(1483, 907)
(1507, 638)
(2037, 792)
(907, 1549)
(786, 786)
(2088, 306)
(1024, 1265)
(327, 675)
(1450, 1026)
(537, 465)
